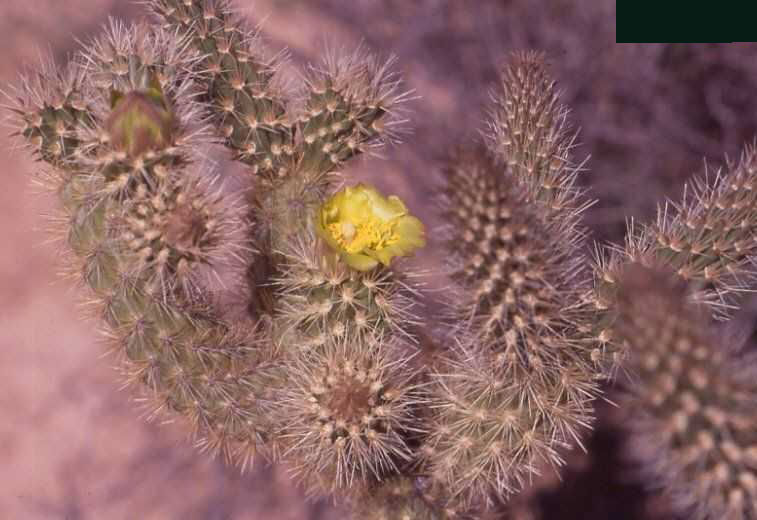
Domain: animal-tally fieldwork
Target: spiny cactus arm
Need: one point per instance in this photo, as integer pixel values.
(171, 220)
(239, 83)
(167, 225)
(48, 111)
(530, 131)
(520, 268)
(352, 102)
(523, 323)
(321, 297)
(689, 403)
(491, 427)
(332, 319)
(519, 305)
(349, 416)
(168, 336)
(349, 413)
(531, 135)
(707, 239)
(710, 236)
(188, 360)
(47, 108)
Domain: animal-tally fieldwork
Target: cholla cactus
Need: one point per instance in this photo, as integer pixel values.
(523, 381)
(706, 239)
(151, 229)
(142, 225)
(690, 400)
(325, 372)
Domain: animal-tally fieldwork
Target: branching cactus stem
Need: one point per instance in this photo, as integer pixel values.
(282, 319)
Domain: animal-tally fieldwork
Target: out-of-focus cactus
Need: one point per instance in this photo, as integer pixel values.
(689, 401)
(324, 370)
(707, 239)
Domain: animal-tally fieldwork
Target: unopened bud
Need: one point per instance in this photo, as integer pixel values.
(140, 121)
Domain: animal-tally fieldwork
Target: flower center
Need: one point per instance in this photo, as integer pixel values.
(372, 233)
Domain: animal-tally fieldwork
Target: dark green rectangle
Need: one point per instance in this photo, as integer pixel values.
(678, 21)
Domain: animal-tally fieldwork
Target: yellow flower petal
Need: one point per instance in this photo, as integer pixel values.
(412, 231)
(359, 262)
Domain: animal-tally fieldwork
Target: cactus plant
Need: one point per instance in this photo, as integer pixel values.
(689, 401)
(524, 378)
(326, 369)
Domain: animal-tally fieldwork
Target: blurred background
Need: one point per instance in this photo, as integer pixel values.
(72, 444)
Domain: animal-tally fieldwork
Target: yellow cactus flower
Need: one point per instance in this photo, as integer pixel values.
(366, 228)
